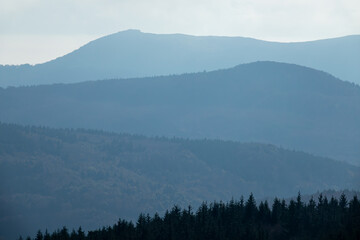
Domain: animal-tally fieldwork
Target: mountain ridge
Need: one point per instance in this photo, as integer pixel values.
(278, 103)
(91, 178)
(187, 35)
(135, 54)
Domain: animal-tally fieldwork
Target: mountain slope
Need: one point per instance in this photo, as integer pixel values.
(135, 54)
(282, 104)
(52, 177)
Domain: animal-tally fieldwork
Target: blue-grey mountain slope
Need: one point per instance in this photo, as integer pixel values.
(55, 177)
(136, 54)
(283, 104)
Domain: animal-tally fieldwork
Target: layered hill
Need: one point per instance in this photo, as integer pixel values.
(51, 177)
(283, 104)
(135, 54)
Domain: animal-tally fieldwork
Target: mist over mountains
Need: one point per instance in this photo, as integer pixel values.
(282, 104)
(52, 177)
(135, 54)
(136, 122)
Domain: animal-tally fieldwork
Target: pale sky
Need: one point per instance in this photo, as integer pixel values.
(35, 31)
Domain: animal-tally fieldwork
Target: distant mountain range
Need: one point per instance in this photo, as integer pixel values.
(282, 104)
(135, 54)
(52, 177)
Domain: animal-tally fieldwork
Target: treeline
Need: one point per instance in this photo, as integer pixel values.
(237, 219)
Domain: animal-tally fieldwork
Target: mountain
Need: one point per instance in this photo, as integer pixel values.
(283, 104)
(135, 54)
(52, 177)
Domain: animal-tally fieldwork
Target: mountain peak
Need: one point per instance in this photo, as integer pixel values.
(132, 53)
(131, 31)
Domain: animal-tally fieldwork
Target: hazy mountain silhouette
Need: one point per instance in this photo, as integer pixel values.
(135, 54)
(283, 104)
(53, 177)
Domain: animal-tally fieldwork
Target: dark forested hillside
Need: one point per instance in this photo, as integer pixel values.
(136, 54)
(323, 218)
(54, 177)
(283, 104)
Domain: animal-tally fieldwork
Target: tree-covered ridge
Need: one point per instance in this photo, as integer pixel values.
(238, 219)
(54, 176)
(282, 104)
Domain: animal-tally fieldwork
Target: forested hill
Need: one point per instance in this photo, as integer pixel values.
(282, 104)
(136, 54)
(51, 177)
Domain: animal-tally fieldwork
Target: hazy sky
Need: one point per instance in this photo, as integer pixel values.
(33, 31)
